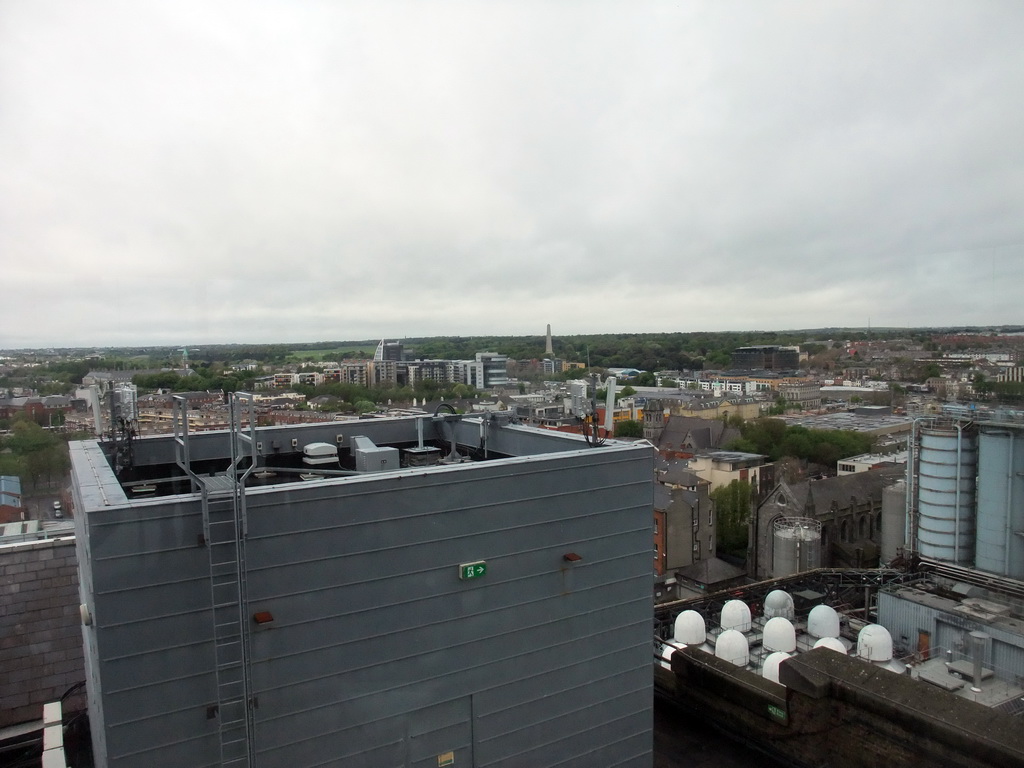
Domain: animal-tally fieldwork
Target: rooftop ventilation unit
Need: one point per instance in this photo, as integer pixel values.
(370, 458)
(422, 457)
(319, 453)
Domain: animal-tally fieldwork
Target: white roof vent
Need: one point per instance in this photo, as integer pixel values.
(832, 643)
(779, 603)
(770, 669)
(732, 647)
(690, 628)
(823, 621)
(320, 453)
(666, 656)
(779, 635)
(736, 615)
(874, 643)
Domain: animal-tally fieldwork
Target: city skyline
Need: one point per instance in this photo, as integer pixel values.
(288, 172)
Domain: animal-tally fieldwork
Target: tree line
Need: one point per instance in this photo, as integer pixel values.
(38, 456)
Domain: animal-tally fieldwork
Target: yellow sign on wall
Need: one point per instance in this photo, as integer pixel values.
(443, 761)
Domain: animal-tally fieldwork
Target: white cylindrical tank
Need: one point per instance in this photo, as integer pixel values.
(689, 628)
(732, 646)
(778, 602)
(894, 520)
(735, 615)
(823, 621)
(1000, 547)
(796, 546)
(947, 466)
(770, 668)
(779, 635)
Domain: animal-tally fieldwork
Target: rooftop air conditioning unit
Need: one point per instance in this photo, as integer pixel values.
(319, 453)
(370, 458)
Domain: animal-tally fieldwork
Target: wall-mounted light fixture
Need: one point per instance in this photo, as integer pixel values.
(263, 617)
(571, 557)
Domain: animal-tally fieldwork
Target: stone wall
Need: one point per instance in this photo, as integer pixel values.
(837, 710)
(40, 627)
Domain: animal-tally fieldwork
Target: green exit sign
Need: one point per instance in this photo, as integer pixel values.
(472, 570)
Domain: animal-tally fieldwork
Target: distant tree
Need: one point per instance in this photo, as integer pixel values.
(629, 428)
(36, 453)
(646, 379)
(981, 384)
(741, 444)
(732, 510)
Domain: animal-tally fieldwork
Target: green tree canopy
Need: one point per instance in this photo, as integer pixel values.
(732, 510)
(629, 428)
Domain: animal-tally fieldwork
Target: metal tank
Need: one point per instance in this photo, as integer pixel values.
(947, 469)
(796, 546)
(1000, 539)
(894, 520)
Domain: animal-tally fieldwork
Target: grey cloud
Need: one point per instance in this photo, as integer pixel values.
(290, 171)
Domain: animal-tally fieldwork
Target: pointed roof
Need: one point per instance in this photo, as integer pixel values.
(689, 433)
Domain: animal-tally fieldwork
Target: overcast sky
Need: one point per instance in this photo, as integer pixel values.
(279, 171)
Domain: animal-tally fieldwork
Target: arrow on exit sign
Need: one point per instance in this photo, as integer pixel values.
(472, 570)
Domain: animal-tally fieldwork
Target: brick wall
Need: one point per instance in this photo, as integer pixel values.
(40, 628)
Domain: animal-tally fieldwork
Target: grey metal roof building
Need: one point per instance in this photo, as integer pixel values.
(489, 608)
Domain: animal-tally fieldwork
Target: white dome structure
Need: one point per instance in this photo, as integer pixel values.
(736, 615)
(770, 668)
(732, 646)
(689, 628)
(832, 643)
(778, 602)
(823, 621)
(874, 643)
(779, 635)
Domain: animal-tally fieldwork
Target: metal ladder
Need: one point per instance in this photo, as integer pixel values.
(224, 531)
(225, 545)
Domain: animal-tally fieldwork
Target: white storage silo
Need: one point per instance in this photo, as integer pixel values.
(1000, 523)
(894, 520)
(947, 467)
(796, 546)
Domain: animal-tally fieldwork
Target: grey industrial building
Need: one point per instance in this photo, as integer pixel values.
(437, 591)
(767, 357)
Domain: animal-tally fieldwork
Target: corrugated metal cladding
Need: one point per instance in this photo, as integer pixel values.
(1000, 548)
(905, 618)
(378, 653)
